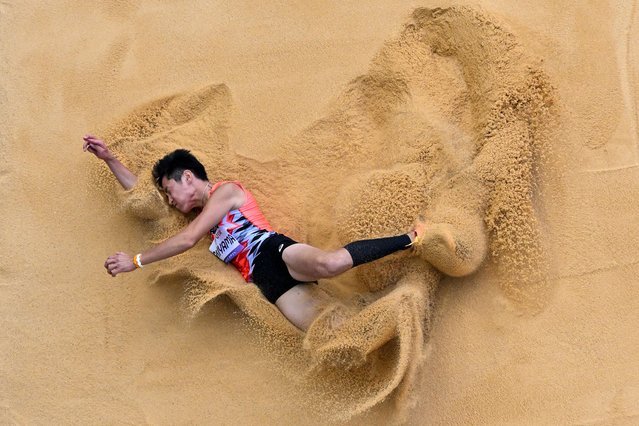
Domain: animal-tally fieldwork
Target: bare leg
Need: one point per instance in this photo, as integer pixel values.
(302, 304)
(307, 263)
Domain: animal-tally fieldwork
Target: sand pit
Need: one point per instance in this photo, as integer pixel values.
(501, 126)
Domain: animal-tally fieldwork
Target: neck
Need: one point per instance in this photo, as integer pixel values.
(204, 189)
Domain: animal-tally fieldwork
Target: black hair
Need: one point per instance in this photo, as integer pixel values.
(173, 165)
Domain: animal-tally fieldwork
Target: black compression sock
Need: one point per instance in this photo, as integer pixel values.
(364, 251)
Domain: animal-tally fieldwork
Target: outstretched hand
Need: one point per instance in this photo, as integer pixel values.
(119, 262)
(96, 147)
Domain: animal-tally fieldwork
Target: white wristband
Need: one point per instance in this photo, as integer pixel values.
(137, 260)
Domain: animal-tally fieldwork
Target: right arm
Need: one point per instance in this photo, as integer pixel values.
(98, 148)
(223, 200)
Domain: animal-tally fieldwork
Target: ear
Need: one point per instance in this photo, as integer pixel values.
(188, 176)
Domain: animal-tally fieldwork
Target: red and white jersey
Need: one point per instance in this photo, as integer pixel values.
(248, 226)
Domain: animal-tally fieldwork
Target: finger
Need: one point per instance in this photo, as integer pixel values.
(98, 142)
(88, 142)
(113, 271)
(95, 148)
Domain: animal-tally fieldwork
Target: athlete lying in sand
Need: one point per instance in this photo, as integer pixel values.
(283, 269)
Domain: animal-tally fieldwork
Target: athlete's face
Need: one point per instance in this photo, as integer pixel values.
(181, 194)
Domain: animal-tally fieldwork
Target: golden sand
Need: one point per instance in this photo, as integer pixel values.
(511, 129)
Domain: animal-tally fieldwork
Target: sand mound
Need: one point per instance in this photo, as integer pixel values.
(448, 123)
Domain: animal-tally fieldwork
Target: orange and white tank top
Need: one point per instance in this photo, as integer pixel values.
(248, 226)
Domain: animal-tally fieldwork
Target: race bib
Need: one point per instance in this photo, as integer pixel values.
(225, 246)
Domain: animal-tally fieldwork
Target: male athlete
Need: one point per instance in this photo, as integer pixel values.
(283, 269)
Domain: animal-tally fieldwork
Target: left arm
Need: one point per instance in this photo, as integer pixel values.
(224, 199)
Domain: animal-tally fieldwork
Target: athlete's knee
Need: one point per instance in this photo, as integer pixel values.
(330, 264)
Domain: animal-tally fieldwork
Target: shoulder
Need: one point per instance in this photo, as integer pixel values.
(230, 191)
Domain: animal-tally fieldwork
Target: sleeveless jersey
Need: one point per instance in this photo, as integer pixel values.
(248, 226)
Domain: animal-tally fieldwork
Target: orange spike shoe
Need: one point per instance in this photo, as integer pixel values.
(419, 230)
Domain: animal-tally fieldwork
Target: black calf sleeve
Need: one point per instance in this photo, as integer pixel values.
(365, 251)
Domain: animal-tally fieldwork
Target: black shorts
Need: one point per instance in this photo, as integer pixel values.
(270, 273)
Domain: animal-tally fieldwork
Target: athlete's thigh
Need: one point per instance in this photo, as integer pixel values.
(302, 304)
(302, 261)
